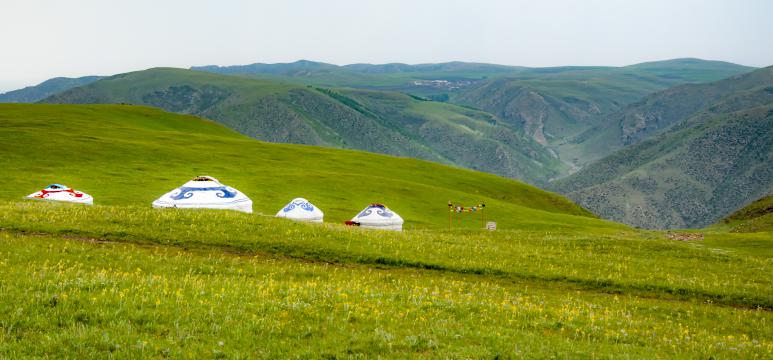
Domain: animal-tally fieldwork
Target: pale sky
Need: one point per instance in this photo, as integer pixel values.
(47, 38)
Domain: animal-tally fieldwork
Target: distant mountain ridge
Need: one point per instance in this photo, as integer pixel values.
(401, 77)
(280, 68)
(290, 68)
(689, 69)
(711, 153)
(693, 69)
(45, 89)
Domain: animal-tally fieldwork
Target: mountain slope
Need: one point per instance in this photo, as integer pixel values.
(561, 107)
(660, 110)
(45, 89)
(696, 172)
(130, 155)
(276, 112)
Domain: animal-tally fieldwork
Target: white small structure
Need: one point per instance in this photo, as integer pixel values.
(378, 216)
(301, 209)
(205, 192)
(59, 192)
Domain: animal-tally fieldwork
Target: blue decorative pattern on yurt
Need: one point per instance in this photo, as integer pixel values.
(222, 192)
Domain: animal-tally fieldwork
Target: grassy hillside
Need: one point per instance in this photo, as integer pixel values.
(136, 154)
(390, 123)
(45, 89)
(755, 217)
(122, 279)
(581, 256)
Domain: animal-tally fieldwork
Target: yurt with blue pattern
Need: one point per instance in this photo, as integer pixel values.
(301, 209)
(205, 192)
(378, 216)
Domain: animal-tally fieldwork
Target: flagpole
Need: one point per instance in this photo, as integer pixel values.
(449, 214)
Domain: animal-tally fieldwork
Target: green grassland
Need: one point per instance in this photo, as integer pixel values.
(122, 279)
(133, 154)
(88, 299)
(590, 258)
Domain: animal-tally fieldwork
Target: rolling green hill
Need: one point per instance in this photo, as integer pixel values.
(45, 89)
(137, 154)
(120, 279)
(698, 169)
(755, 217)
(390, 123)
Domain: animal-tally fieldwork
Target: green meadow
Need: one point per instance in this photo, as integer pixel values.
(119, 279)
(131, 155)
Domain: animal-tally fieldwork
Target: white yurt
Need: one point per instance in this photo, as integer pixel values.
(378, 216)
(205, 192)
(301, 209)
(59, 192)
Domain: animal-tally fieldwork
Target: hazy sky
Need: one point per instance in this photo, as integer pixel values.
(43, 39)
